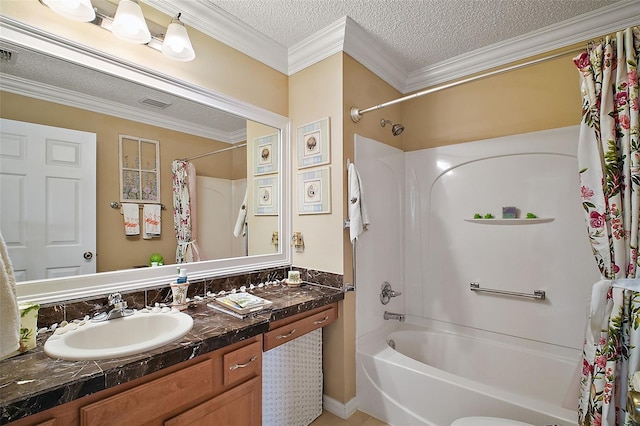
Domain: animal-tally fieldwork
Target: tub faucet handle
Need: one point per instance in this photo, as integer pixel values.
(386, 293)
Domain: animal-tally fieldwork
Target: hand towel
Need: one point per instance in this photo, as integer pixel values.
(241, 225)
(358, 216)
(151, 217)
(599, 313)
(131, 213)
(9, 314)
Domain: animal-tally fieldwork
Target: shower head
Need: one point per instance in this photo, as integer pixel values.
(396, 129)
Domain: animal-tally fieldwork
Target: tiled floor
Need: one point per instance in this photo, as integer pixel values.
(357, 419)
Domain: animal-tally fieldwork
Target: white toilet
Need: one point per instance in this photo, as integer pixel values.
(487, 421)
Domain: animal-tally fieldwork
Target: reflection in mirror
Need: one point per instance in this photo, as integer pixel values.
(237, 164)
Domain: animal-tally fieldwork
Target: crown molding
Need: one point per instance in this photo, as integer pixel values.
(359, 45)
(70, 98)
(226, 28)
(576, 30)
(345, 35)
(318, 46)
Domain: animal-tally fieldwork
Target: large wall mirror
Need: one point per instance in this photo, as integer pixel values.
(239, 151)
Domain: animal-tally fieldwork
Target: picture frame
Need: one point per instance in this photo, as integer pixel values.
(266, 196)
(265, 155)
(314, 191)
(314, 144)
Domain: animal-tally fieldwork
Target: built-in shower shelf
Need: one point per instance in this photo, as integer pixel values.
(511, 221)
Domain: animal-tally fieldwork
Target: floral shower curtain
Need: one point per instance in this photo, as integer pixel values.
(609, 162)
(184, 220)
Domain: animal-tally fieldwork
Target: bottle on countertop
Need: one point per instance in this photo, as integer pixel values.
(182, 275)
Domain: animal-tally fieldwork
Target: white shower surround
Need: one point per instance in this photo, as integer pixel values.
(420, 242)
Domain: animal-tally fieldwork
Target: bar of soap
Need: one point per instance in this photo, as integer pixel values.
(509, 212)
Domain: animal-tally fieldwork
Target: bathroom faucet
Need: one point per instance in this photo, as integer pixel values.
(393, 316)
(118, 309)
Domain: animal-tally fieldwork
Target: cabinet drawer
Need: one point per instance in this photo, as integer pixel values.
(240, 406)
(242, 364)
(288, 332)
(153, 399)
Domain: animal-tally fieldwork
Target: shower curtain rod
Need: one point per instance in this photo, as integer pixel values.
(356, 113)
(214, 152)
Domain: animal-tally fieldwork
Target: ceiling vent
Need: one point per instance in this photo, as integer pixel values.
(8, 57)
(154, 103)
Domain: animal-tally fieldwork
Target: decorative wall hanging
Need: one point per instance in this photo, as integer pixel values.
(314, 144)
(139, 170)
(265, 154)
(314, 191)
(266, 196)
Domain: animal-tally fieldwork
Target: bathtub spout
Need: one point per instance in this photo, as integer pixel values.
(392, 315)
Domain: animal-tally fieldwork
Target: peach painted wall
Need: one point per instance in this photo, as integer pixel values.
(538, 97)
(114, 250)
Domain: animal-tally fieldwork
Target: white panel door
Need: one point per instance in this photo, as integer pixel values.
(215, 221)
(47, 199)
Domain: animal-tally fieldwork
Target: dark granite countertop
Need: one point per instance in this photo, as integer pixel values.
(33, 382)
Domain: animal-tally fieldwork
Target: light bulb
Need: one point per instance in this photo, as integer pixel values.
(77, 10)
(176, 44)
(129, 24)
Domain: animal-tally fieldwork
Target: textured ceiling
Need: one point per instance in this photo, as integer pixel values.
(414, 33)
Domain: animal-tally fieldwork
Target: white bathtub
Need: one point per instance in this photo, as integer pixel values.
(434, 377)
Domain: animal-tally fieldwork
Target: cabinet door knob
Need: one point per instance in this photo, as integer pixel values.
(236, 366)
(87, 255)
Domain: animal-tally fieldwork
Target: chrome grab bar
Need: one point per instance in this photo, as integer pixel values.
(537, 294)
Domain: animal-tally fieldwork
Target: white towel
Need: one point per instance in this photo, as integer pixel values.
(131, 213)
(358, 216)
(241, 224)
(151, 217)
(599, 313)
(9, 314)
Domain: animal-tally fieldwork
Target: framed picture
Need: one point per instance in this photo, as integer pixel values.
(266, 196)
(314, 191)
(314, 144)
(265, 154)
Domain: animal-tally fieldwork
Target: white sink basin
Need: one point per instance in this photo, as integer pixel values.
(119, 337)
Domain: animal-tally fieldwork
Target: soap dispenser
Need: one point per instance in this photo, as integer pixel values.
(179, 290)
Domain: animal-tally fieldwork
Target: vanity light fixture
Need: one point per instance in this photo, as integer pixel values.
(78, 10)
(176, 44)
(126, 21)
(129, 24)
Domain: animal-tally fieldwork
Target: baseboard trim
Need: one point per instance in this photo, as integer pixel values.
(342, 410)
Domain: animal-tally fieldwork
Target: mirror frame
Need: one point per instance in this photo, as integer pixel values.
(85, 286)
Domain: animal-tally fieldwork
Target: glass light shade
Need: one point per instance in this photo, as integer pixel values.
(176, 44)
(78, 10)
(129, 24)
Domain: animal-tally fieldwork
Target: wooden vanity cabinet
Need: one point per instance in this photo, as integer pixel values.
(221, 387)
